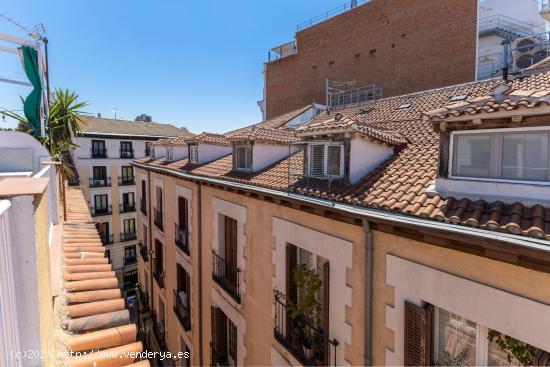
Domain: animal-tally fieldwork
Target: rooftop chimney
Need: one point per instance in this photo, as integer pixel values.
(143, 117)
(98, 115)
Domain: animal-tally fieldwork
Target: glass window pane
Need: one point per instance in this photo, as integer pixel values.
(504, 350)
(472, 155)
(525, 156)
(456, 340)
(317, 160)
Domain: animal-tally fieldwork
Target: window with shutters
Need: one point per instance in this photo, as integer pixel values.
(224, 339)
(326, 160)
(194, 154)
(435, 336)
(225, 270)
(243, 157)
(182, 297)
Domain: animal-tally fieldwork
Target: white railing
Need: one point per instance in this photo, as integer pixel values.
(9, 328)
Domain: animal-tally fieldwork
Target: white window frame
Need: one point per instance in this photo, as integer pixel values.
(325, 158)
(248, 157)
(496, 150)
(152, 152)
(194, 150)
(169, 154)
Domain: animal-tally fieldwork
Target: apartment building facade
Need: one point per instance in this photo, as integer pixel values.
(368, 234)
(102, 158)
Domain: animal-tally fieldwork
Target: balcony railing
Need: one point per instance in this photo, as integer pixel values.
(157, 219)
(100, 182)
(143, 298)
(126, 153)
(106, 239)
(182, 311)
(106, 210)
(217, 357)
(126, 181)
(227, 276)
(128, 236)
(143, 205)
(143, 251)
(130, 260)
(158, 274)
(127, 208)
(182, 239)
(98, 153)
(159, 331)
(300, 336)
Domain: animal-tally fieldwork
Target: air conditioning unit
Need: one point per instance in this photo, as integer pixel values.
(527, 51)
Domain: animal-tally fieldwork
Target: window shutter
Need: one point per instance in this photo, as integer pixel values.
(249, 157)
(541, 358)
(333, 162)
(317, 160)
(418, 335)
(291, 260)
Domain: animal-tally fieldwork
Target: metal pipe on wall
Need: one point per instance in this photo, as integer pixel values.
(368, 292)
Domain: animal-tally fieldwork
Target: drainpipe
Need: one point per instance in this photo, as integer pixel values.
(505, 58)
(150, 239)
(368, 292)
(199, 252)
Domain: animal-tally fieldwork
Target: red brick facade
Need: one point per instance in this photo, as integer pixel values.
(401, 45)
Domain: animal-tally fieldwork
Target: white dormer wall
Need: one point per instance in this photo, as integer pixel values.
(179, 152)
(210, 152)
(365, 156)
(264, 155)
(159, 152)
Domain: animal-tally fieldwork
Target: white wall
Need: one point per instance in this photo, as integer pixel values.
(20, 152)
(526, 11)
(208, 152)
(366, 156)
(112, 145)
(264, 155)
(179, 152)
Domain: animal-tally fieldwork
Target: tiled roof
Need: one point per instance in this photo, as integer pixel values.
(501, 99)
(93, 311)
(266, 135)
(401, 184)
(178, 141)
(208, 138)
(132, 128)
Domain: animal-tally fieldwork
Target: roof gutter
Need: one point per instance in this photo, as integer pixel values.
(370, 213)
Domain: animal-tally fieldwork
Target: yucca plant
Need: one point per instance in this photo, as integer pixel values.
(63, 125)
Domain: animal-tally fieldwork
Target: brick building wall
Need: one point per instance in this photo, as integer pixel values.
(401, 45)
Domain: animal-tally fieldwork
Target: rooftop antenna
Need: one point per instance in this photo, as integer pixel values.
(37, 32)
(115, 110)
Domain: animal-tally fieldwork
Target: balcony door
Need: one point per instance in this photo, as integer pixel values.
(127, 174)
(101, 203)
(224, 339)
(128, 200)
(129, 226)
(182, 213)
(159, 261)
(98, 147)
(230, 249)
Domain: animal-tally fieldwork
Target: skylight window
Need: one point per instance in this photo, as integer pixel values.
(458, 98)
(404, 106)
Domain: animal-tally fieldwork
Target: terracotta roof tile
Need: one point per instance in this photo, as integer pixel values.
(402, 183)
(94, 312)
(109, 126)
(208, 138)
(265, 135)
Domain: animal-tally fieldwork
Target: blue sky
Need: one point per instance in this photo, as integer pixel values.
(191, 63)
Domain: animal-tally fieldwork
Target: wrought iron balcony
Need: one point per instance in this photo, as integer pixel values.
(305, 339)
(159, 331)
(98, 153)
(106, 239)
(128, 236)
(126, 153)
(126, 181)
(218, 356)
(158, 274)
(100, 182)
(143, 251)
(127, 208)
(183, 311)
(182, 239)
(104, 210)
(143, 298)
(157, 219)
(226, 275)
(143, 205)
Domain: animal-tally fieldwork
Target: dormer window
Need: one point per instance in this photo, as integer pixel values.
(326, 159)
(520, 154)
(169, 154)
(243, 157)
(194, 154)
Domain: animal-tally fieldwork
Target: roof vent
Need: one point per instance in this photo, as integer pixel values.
(457, 98)
(338, 117)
